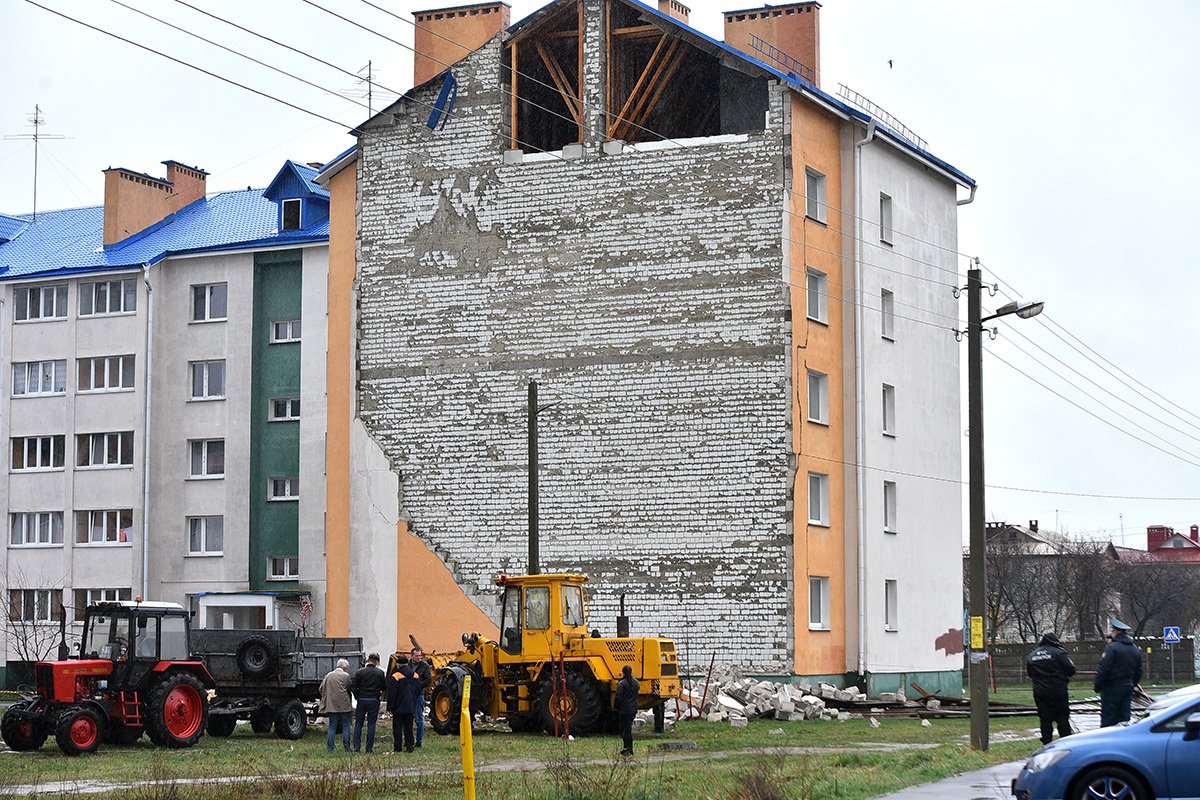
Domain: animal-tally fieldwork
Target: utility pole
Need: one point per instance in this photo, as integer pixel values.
(975, 515)
(533, 480)
(36, 120)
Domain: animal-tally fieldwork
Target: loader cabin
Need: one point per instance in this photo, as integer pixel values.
(135, 631)
(540, 614)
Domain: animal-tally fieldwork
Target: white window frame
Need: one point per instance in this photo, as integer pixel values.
(201, 528)
(98, 444)
(887, 314)
(891, 606)
(203, 295)
(283, 215)
(819, 612)
(53, 447)
(886, 231)
(50, 378)
(817, 295)
(284, 331)
(100, 374)
(889, 506)
(818, 488)
(45, 609)
(96, 293)
(290, 407)
(290, 565)
(101, 527)
(36, 529)
(289, 484)
(888, 399)
(200, 452)
(818, 397)
(814, 194)
(201, 374)
(90, 597)
(50, 298)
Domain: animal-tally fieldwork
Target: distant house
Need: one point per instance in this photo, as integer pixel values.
(1029, 540)
(1164, 545)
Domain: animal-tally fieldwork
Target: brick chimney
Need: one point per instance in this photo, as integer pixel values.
(1195, 534)
(1157, 536)
(133, 201)
(793, 29)
(444, 36)
(189, 183)
(1033, 525)
(674, 9)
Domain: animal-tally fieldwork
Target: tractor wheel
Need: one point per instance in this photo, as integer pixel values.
(261, 719)
(123, 734)
(22, 733)
(576, 710)
(256, 658)
(220, 725)
(291, 720)
(78, 731)
(524, 723)
(178, 710)
(445, 704)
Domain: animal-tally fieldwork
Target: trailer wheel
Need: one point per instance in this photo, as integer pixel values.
(291, 720)
(576, 710)
(261, 719)
(256, 658)
(20, 732)
(445, 703)
(220, 725)
(178, 711)
(78, 731)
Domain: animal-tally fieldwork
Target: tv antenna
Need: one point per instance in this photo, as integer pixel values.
(36, 121)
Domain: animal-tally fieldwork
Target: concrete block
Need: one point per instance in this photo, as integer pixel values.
(514, 156)
(788, 716)
(738, 722)
(926, 723)
(572, 151)
(785, 705)
(775, 732)
(888, 697)
(873, 722)
(613, 147)
(933, 704)
(843, 696)
(715, 716)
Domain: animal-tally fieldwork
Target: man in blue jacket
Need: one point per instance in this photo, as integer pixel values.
(403, 688)
(1050, 669)
(1119, 671)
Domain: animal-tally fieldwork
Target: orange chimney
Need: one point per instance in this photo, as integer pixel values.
(445, 36)
(188, 182)
(674, 9)
(133, 201)
(790, 37)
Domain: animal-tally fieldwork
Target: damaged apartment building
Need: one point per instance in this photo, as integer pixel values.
(731, 287)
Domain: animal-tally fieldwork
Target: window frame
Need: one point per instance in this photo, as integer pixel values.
(272, 409)
(822, 496)
(290, 481)
(85, 527)
(821, 382)
(36, 516)
(886, 230)
(890, 500)
(54, 610)
(122, 367)
(821, 292)
(86, 597)
(283, 214)
(887, 314)
(891, 605)
(30, 368)
(205, 455)
(209, 290)
(823, 620)
(61, 301)
(287, 562)
(206, 366)
(888, 400)
(89, 294)
(124, 445)
(202, 524)
(294, 331)
(815, 204)
(57, 451)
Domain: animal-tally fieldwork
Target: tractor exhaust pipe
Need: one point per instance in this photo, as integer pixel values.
(622, 622)
(64, 652)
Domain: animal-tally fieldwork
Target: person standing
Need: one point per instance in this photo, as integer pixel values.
(403, 687)
(368, 685)
(424, 675)
(1119, 671)
(335, 703)
(1050, 669)
(627, 707)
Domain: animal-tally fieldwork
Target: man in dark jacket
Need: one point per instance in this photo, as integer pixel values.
(368, 685)
(403, 688)
(1119, 671)
(424, 674)
(627, 707)
(1050, 668)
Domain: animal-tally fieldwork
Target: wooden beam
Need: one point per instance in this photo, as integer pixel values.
(648, 98)
(674, 59)
(515, 72)
(617, 123)
(579, 70)
(560, 80)
(638, 30)
(560, 35)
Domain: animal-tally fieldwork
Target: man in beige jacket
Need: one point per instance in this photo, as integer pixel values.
(335, 703)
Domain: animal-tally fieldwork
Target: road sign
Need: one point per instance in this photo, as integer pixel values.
(1171, 635)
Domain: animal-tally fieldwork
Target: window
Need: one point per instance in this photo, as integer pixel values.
(108, 297)
(891, 616)
(33, 528)
(889, 507)
(889, 410)
(104, 449)
(36, 303)
(814, 186)
(818, 499)
(885, 218)
(34, 605)
(105, 374)
(90, 597)
(206, 536)
(284, 489)
(284, 568)
(291, 215)
(37, 452)
(572, 610)
(818, 296)
(887, 314)
(818, 397)
(106, 526)
(818, 604)
(207, 458)
(208, 380)
(537, 607)
(209, 302)
(285, 408)
(287, 330)
(39, 377)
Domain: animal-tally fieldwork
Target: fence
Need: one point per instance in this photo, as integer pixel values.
(1009, 660)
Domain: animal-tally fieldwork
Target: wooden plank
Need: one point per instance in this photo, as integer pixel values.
(560, 80)
(662, 75)
(579, 71)
(638, 30)
(619, 121)
(515, 72)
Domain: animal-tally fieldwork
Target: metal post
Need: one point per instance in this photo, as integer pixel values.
(978, 538)
(533, 479)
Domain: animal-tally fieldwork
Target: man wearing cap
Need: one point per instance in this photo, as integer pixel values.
(1050, 668)
(627, 708)
(1119, 671)
(368, 686)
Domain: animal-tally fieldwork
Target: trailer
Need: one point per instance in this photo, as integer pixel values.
(271, 678)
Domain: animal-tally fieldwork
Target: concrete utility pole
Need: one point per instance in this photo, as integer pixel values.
(533, 479)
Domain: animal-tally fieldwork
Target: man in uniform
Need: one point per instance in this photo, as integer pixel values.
(1119, 671)
(1050, 668)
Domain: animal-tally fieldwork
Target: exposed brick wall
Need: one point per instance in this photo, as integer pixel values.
(642, 291)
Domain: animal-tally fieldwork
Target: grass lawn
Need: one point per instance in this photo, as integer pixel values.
(726, 763)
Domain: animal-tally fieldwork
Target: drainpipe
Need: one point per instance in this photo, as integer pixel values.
(969, 200)
(860, 403)
(146, 437)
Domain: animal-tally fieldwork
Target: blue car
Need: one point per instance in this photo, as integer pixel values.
(1157, 758)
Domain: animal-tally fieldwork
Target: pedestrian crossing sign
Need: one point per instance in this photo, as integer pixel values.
(1171, 635)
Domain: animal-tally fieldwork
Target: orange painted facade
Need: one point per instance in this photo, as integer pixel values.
(132, 203)
(819, 551)
(445, 36)
(794, 29)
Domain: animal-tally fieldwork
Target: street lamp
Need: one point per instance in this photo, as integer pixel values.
(977, 601)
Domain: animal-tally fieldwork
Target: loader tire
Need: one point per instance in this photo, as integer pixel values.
(577, 710)
(22, 733)
(445, 703)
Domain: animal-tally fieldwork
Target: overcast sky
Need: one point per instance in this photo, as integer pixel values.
(1074, 117)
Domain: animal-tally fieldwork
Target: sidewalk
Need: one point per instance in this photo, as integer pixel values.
(993, 783)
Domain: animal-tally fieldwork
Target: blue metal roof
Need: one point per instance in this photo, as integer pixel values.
(11, 228)
(304, 177)
(71, 241)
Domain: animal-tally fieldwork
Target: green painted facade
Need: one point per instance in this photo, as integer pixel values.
(274, 446)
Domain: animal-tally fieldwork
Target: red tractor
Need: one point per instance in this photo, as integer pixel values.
(133, 674)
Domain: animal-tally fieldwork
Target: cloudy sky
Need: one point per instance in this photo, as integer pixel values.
(1074, 117)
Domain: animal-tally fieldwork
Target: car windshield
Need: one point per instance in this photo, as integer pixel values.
(107, 636)
(1175, 718)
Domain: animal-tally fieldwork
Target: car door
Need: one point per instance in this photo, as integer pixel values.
(1183, 755)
